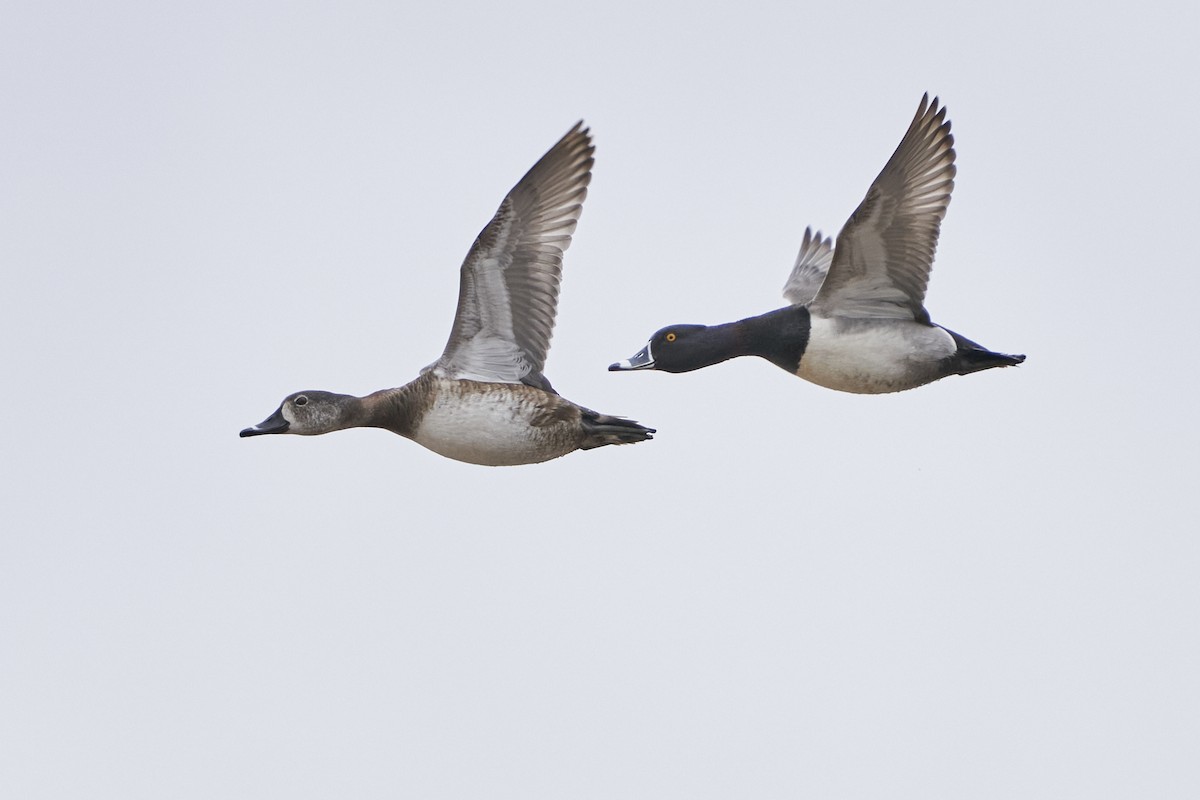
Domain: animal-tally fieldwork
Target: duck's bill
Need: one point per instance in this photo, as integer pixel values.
(642, 359)
(272, 424)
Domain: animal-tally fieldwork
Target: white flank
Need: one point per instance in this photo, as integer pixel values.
(872, 357)
(485, 428)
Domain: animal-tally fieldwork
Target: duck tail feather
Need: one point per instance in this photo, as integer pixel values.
(972, 356)
(602, 429)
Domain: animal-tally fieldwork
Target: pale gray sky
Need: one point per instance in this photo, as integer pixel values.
(983, 588)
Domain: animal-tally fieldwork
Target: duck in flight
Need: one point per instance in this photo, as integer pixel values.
(486, 400)
(857, 320)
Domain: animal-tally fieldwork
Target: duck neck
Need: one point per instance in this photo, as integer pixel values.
(779, 336)
(395, 410)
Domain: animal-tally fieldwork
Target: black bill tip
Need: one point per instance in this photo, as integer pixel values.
(272, 424)
(642, 359)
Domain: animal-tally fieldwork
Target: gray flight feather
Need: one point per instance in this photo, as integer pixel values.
(812, 264)
(508, 285)
(885, 251)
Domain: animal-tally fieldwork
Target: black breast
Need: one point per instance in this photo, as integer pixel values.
(778, 336)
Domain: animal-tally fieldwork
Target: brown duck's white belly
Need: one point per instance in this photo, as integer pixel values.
(495, 424)
(874, 356)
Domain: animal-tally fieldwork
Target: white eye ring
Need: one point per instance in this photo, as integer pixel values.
(301, 400)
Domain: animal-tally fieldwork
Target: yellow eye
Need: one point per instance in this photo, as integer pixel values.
(670, 337)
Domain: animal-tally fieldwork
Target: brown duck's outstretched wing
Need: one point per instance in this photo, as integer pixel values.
(508, 285)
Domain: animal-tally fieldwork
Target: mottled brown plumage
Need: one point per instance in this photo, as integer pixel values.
(486, 399)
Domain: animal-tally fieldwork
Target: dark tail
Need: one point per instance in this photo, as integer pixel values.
(601, 429)
(973, 357)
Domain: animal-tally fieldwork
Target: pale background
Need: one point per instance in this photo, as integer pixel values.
(984, 588)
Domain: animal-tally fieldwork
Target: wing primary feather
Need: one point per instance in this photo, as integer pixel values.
(509, 281)
(885, 251)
